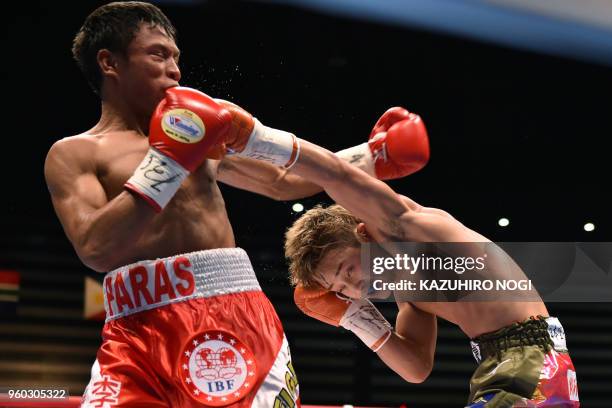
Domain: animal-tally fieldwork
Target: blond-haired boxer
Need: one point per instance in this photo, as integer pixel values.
(521, 351)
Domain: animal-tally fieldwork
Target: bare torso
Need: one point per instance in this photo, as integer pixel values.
(474, 318)
(194, 219)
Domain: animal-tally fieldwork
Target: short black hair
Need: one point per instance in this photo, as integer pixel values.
(113, 26)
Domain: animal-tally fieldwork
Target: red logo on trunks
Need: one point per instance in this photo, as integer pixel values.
(217, 369)
(143, 286)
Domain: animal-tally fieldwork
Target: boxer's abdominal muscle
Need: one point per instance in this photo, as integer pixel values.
(476, 318)
(195, 218)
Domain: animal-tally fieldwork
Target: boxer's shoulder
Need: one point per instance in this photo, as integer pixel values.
(93, 140)
(97, 148)
(88, 152)
(74, 144)
(71, 152)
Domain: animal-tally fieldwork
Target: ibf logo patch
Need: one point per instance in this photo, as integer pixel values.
(217, 369)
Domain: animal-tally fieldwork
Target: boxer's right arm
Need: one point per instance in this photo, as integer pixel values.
(184, 127)
(100, 230)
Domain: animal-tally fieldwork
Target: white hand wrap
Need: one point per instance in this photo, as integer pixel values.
(272, 145)
(359, 156)
(363, 319)
(157, 179)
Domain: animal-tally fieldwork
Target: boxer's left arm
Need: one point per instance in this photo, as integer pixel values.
(371, 200)
(254, 175)
(396, 148)
(264, 178)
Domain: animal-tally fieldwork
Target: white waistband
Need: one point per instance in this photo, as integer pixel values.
(153, 283)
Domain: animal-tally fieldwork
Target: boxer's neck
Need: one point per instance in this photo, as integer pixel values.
(116, 115)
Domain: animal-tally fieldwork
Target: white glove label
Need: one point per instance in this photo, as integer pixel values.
(272, 145)
(158, 177)
(364, 319)
(359, 156)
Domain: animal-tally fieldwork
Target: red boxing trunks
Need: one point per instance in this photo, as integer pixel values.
(191, 330)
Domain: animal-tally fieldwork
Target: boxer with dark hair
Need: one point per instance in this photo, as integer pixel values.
(187, 323)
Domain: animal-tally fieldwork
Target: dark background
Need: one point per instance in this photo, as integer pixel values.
(513, 134)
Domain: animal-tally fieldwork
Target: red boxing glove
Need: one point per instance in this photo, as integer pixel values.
(398, 146)
(248, 137)
(241, 127)
(185, 126)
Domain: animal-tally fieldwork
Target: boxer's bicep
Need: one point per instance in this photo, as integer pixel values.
(75, 190)
(86, 195)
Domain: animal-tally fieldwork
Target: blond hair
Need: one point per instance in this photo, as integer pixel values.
(313, 235)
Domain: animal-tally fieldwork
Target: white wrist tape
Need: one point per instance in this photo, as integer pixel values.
(157, 179)
(272, 145)
(359, 156)
(363, 319)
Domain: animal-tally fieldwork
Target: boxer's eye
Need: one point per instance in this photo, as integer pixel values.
(158, 54)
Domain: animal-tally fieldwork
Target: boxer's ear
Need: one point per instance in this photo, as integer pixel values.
(107, 62)
(361, 233)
